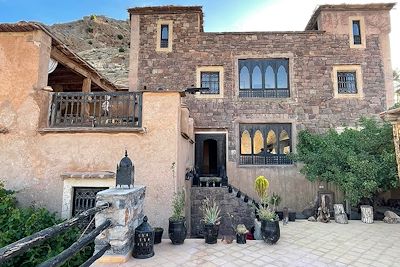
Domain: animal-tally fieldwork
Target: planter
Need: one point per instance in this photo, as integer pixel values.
(292, 216)
(158, 231)
(177, 231)
(270, 231)
(211, 233)
(241, 238)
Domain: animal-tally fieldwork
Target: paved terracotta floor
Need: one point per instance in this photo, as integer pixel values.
(302, 243)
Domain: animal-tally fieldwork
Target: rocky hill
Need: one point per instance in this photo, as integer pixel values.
(102, 41)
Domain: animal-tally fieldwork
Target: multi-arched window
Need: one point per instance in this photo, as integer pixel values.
(264, 78)
(265, 144)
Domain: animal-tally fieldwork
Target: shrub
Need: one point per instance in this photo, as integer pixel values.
(17, 223)
(90, 42)
(121, 50)
(361, 163)
(89, 29)
(93, 17)
(178, 206)
(120, 36)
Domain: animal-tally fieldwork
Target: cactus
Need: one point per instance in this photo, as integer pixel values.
(261, 186)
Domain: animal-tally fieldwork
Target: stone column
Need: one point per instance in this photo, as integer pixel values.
(125, 213)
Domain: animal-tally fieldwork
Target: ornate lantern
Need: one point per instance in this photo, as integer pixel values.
(125, 172)
(144, 241)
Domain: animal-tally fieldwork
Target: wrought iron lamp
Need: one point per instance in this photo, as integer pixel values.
(125, 172)
(144, 241)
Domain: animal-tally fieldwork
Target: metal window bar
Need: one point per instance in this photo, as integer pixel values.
(347, 82)
(210, 80)
(164, 36)
(356, 32)
(96, 109)
(265, 158)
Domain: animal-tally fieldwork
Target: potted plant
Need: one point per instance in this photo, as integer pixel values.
(177, 223)
(241, 232)
(211, 220)
(269, 220)
(158, 231)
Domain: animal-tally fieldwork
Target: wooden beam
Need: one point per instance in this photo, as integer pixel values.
(87, 85)
(68, 62)
(26, 243)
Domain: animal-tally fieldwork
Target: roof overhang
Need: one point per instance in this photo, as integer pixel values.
(66, 55)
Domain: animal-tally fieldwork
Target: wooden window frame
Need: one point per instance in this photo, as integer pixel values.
(265, 159)
(263, 63)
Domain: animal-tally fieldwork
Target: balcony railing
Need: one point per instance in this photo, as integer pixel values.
(264, 93)
(96, 109)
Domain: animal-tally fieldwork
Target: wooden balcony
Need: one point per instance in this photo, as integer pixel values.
(96, 109)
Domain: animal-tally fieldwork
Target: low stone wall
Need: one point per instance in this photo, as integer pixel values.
(125, 213)
(229, 203)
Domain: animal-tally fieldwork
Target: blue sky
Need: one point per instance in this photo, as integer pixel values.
(220, 15)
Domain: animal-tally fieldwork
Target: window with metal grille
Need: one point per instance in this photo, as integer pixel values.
(84, 199)
(164, 36)
(347, 82)
(265, 144)
(210, 80)
(356, 32)
(264, 78)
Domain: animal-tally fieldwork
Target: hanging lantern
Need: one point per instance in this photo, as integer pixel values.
(144, 241)
(125, 172)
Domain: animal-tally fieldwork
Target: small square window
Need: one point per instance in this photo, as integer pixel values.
(347, 82)
(210, 82)
(164, 36)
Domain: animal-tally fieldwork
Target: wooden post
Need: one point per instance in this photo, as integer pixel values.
(86, 88)
(340, 215)
(367, 214)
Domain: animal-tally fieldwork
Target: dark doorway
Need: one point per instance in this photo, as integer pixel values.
(210, 156)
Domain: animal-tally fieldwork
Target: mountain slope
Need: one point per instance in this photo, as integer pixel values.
(102, 41)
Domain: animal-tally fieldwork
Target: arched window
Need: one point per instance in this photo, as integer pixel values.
(256, 78)
(269, 78)
(245, 143)
(258, 142)
(271, 142)
(244, 78)
(282, 77)
(284, 143)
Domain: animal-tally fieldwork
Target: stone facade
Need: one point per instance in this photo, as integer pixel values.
(126, 213)
(243, 212)
(312, 56)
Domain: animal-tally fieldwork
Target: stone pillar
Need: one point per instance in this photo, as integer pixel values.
(125, 213)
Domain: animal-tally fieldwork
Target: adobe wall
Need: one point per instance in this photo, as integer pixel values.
(312, 105)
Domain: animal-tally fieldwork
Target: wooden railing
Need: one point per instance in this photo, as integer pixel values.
(96, 109)
(28, 242)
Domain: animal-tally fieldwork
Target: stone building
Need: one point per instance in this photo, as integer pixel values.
(254, 91)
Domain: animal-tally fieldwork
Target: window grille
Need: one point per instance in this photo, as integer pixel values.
(164, 36)
(210, 80)
(347, 82)
(356, 32)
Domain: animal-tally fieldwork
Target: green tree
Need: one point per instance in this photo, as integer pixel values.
(17, 223)
(362, 163)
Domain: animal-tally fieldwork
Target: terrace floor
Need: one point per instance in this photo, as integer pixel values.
(302, 243)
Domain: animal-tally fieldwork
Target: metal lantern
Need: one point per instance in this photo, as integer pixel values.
(144, 241)
(125, 172)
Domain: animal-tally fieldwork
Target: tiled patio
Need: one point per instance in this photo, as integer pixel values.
(302, 243)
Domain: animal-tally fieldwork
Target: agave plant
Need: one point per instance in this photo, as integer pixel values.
(210, 211)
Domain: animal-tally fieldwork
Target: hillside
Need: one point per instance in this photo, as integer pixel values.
(102, 41)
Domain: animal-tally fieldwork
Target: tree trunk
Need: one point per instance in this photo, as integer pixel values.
(340, 215)
(367, 214)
